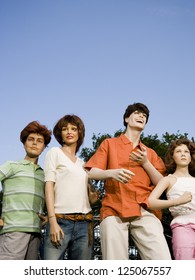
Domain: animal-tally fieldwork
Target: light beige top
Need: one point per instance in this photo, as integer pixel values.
(71, 194)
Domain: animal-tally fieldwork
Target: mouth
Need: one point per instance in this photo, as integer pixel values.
(140, 121)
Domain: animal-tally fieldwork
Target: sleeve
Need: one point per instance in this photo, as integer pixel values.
(50, 165)
(100, 158)
(157, 162)
(5, 170)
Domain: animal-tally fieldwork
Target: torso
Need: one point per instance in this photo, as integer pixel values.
(185, 212)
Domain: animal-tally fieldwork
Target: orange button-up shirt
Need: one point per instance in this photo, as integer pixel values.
(124, 200)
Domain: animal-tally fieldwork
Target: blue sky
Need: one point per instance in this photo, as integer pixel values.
(93, 58)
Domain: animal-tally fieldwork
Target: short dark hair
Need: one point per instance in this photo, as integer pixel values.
(136, 107)
(36, 127)
(73, 119)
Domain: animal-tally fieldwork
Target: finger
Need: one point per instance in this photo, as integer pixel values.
(128, 172)
(62, 234)
(124, 179)
(133, 155)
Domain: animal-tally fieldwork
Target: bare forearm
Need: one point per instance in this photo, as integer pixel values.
(155, 203)
(155, 175)
(99, 174)
(121, 175)
(49, 196)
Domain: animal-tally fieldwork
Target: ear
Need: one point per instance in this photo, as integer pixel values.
(127, 120)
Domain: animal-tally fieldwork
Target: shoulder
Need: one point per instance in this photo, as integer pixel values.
(80, 160)
(52, 155)
(111, 141)
(165, 179)
(10, 163)
(11, 167)
(109, 145)
(170, 180)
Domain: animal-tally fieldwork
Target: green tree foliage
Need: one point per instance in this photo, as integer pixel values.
(161, 145)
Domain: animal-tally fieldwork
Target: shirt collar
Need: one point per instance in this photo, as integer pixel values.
(28, 162)
(126, 141)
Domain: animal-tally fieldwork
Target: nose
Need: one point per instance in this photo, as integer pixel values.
(34, 142)
(141, 114)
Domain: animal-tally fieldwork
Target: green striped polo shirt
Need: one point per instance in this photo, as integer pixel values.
(23, 196)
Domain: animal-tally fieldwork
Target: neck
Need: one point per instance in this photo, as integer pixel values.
(182, 172)
(133, 136)
(69, 149)
(33, 160)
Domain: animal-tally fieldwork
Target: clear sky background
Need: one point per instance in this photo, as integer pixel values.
(93, 58)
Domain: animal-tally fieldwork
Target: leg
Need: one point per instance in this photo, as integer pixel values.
(80, 247)
(183, 241)
(13, 245)
(147, 233)
(114, 238)
(33, 247)
(50, 252)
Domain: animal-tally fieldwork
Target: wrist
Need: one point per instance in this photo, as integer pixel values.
(52, 216)
(175, 202)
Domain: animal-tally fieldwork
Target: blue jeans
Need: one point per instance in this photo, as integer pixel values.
(76, 240)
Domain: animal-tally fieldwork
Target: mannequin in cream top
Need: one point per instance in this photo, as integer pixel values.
(66, 192)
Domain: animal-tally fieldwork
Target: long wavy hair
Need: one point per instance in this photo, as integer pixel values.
(169, 161)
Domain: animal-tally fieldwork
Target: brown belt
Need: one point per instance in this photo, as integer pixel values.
(76, 217)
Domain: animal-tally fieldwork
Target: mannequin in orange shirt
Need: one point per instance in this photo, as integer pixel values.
(130, 170)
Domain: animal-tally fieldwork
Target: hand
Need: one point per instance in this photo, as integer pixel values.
(184, 198)
(56, 233)
(44, 219)
(94, 195)
(139, 156)
(1, 223)
(122, 175)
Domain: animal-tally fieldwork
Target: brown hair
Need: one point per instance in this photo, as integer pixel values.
(73, 119)
(36, 127)
(140, 107)
(169, 161)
